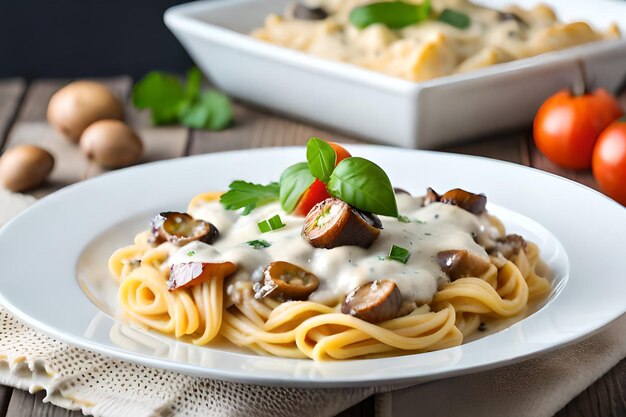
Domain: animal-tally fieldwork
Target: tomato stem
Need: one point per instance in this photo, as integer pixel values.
(581, 86)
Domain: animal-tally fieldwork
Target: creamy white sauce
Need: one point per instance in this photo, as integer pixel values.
(433, 228)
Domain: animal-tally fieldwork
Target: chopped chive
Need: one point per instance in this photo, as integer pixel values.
(259, 244)
(275, 222)
(270, 224)
(191, 253)
(418, 221)
(264, 226)
(404, 219)
(398, 253)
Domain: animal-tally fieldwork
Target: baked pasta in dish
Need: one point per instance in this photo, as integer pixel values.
(340, 282)
(447, 37)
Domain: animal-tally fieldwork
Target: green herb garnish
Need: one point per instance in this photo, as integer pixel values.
(172, 102)
(403, 219)
(455, 18)
(270, 224)
(293, 183)
(321, 158)
(191, 253)
(364, 185)
(393, 14)
(259, 244)
(398, 253)
(248, 195)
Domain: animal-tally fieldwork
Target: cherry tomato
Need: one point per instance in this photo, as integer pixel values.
(609, 161)
(317, 191)
(567, 126)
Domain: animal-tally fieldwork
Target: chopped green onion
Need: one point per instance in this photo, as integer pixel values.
(191, 253)
(270, 224)
(454, 18)
(398, 253)
(264, 226)
(259, 244)
(403, 219)
(275, 222)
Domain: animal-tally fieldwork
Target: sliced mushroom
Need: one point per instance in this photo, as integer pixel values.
(181, 228)
(194, 273)
(474, 203)
(303, 12)
(398, 190)
(508, 245)
(286, 281)
(504, 16)
(431, 196)
(332, 223)
(374, 301)
(462, 263)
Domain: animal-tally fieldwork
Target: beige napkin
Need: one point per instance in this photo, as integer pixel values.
(77, 379)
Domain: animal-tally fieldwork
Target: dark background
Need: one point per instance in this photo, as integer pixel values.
(87, 38)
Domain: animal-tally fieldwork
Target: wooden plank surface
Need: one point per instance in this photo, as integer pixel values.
(253, 128)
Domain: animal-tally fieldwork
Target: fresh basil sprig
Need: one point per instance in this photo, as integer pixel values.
(293, 183)
(321, 158)
(172, 102)
(364, 185)
(455, 18)
(393, 14)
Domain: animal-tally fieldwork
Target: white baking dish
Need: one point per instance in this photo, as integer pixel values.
(379, 107)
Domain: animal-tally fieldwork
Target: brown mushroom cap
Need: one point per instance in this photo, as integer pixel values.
(181, 229)
(25, 166)
(286, 281)
(332, 223)
(374, 301)
(79, 104)
(462, 263)
(474, 203)
(111, 144)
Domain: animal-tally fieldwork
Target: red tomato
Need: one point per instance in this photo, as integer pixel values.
(609, 161)
(567, 126)
(317, 191)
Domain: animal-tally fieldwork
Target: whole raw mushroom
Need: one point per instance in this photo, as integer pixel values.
(25, 166)
(111, 144)
(79, 104)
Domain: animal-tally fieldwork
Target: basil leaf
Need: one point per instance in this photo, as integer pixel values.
(393, 14)
(321, 157)
(364, 185)
(455, 18)
(293, 183)
(162, 93)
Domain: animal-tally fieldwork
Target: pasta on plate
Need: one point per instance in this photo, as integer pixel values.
(341, 283)
(467, 37)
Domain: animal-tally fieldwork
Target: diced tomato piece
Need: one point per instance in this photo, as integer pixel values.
(317, 191)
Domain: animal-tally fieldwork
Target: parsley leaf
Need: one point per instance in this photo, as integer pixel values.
(247, 195)
(259, 244)
(172, 102)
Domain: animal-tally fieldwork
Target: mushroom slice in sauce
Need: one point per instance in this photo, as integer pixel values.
(474, 203)
(194, 273)
(462, 263)
(508, 245)
(181, 228)
(332, 223)
(374, 301)
(286, 281)
(303, 12)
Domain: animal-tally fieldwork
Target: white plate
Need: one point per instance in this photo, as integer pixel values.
(379, 107)
(54, 256)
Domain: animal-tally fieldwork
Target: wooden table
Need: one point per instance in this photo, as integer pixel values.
(23, 120)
